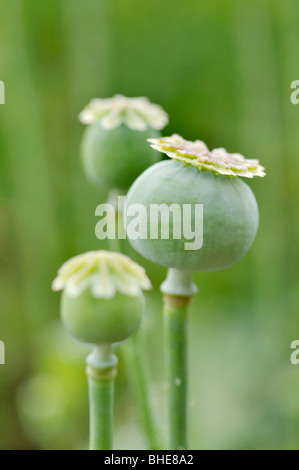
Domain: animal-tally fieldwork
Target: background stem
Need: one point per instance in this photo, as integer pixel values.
(137, 368)
(134, 356)
(101, 371)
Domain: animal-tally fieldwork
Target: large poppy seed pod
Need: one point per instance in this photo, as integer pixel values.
(196, 176)
(102, 300)
(114, 150)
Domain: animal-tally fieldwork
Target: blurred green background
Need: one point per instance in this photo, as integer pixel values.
(222, 70)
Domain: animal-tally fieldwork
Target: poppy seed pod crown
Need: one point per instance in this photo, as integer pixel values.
(102, 300)
(114, 150)
(226, 221)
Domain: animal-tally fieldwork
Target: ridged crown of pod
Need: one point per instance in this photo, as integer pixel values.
(102, 300)
(114, 150)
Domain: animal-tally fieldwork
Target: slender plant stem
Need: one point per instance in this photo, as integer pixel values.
(178, 292)
(138, 373)
(119, 243)
(135, 359)
(101, 372)
(175, 318)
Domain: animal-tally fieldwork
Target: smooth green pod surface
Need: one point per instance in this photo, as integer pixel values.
(230, 216)
(101, 321)
(115, 158)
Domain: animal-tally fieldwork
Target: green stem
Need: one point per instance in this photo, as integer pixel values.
(101, 371)
(178, 292)
(119, 243)
(137, 369)
(135, 361)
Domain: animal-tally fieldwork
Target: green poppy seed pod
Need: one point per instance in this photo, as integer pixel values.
(102, 300)
(222, 232)
(115, 158)
(103, 321)
(114, 150)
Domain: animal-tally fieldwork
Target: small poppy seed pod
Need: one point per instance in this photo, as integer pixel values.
(196, 176)
(101, 321)
(114, 150)
(102, 300)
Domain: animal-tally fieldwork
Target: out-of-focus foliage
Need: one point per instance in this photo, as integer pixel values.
(222, 70)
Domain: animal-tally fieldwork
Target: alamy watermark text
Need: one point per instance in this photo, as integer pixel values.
(295, 94)
(2, 92)
(2, 353)
(156, 221)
